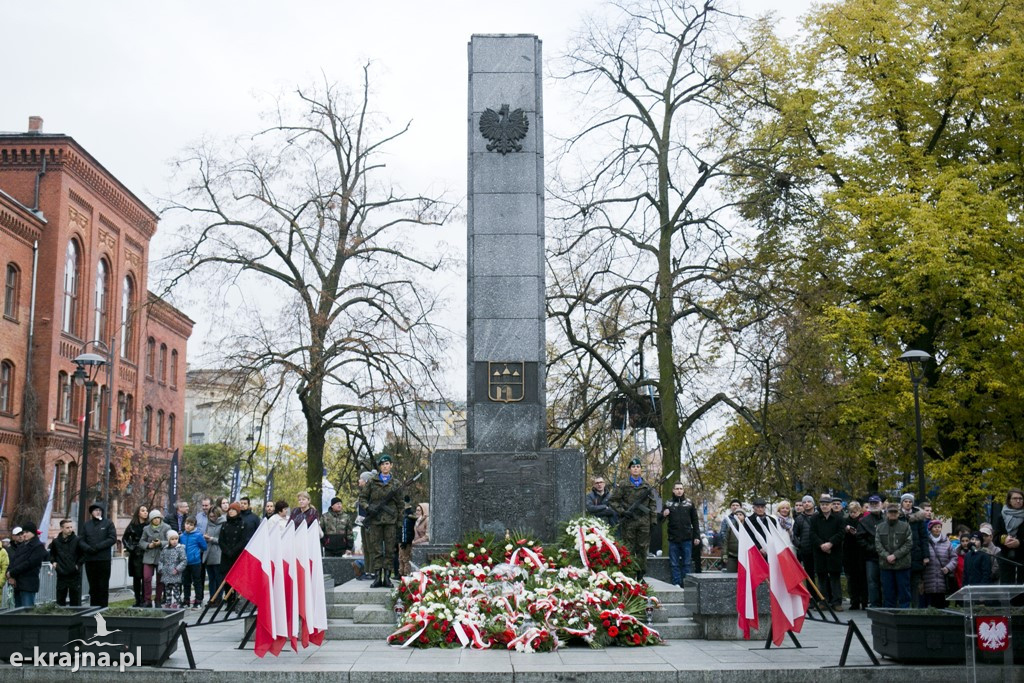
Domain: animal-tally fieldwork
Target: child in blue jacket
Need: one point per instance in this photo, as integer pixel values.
(195, 546)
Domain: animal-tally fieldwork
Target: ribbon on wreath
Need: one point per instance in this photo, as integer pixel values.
(469, 633)
(419, 617)
(528, 636)
(526, 554)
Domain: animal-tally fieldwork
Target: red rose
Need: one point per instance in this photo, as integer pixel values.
(606, 623)
(613, 631)
(637, 638)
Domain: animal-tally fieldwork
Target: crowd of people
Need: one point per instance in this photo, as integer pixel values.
(892, 553)
(177, 559)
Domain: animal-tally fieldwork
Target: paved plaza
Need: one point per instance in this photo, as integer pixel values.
(218, 659)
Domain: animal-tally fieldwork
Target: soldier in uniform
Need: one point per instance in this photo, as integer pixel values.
(634, 502)
(381, 529)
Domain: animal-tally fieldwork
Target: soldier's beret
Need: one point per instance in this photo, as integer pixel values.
(635, 461)
(384, 457)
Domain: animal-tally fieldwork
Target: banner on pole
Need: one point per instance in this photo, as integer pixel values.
(172, 486)
(236, 483)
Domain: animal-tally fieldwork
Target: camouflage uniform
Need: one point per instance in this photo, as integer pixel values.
(382, 530)
(635, 530)
(337, 529)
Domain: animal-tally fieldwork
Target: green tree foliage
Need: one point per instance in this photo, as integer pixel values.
(206, 470)
(888, 212)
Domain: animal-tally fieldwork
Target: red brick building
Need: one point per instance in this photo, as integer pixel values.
(91, 237)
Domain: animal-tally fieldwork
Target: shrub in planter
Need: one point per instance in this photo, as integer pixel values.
(139, 627)
(49, 627)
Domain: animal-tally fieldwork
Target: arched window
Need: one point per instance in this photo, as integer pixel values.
(150, 356)
(122, 411)
(63, 397)
(163, 362)
(11, 286)
(97, 408)
(170, 430)
(174, 368)
(160, 427)
(69, 323)
(128, 318)
(72, 487)
(62, 487)
(147, 424)
(104, 416)
(6, 387)
(102, 300)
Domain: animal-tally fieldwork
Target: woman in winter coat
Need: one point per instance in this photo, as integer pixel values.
(422, 534)
(212, 556)
(154, 540)
(132, 542)
(942, 561)
(232, 538)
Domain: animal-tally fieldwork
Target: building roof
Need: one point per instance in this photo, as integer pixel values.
(35, 139)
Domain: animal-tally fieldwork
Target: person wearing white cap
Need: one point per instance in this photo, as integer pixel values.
(802, 533)
(918, 521)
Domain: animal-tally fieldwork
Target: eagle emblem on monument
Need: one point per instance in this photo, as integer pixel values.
(504, 129)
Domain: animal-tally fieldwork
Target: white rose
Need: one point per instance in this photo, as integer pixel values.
(472, 554)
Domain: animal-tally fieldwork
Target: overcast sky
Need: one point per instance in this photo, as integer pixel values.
(136, 82)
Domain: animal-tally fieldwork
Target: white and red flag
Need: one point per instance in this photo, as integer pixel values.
(279, 586)
(789, 595)
(317, 592)
(252, 577)
(752, 570)
(304, 603)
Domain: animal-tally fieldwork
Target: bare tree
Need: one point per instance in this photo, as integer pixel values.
(301, 217)
(644, 246)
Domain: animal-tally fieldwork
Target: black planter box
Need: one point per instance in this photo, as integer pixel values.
(151, 634)
(938, 638)
(21, 632)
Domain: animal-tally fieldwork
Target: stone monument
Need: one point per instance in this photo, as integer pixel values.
(507, 478)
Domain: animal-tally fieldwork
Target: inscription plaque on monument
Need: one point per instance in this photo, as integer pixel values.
(507, 478)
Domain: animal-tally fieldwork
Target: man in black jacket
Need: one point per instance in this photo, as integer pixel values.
(250, 520)
(802, 533)
(97, 538)
(827, 532)
(66, 560)
(24, 568)
(683, 532)
(597, 502)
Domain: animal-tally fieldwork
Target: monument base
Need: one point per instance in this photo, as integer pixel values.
(532, 492)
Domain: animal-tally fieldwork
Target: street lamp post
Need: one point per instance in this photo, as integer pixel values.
(85, 373)
(915, 361)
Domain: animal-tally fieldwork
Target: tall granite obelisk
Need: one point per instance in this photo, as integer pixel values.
(507, 478)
